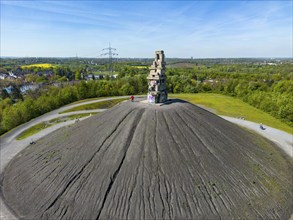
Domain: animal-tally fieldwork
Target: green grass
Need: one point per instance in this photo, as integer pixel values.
(76, 116)
(233, 107)
(33, 130)
(96, 105)
(141, 67)
(221, 104)
(87, 100)
(46, 124)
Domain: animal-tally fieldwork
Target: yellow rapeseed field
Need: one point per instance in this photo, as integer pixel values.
(41, 65)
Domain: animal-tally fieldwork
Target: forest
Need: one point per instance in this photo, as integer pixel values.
(266, 87)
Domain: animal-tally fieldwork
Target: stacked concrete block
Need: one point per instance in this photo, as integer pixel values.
(157, 91)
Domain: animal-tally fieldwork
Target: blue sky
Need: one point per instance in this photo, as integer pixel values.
(201, 29)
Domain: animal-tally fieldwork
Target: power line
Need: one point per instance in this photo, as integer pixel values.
(110, 52)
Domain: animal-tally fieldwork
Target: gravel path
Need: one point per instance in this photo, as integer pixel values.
(10, 147)
(283, 139)
(7, 138)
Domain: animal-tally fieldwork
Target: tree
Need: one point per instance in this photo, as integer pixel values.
(11, 117)
(82, 90)
(15, 93)
(77, 75)
(41, 79)
(31, 77)
(4, 94)
(69, 94)
(5, 103)
(127, 89)
(62, 79)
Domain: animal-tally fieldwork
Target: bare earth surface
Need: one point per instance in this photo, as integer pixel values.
(139, 161)
(9, 146)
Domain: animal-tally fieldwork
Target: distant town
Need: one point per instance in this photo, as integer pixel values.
(31, 74)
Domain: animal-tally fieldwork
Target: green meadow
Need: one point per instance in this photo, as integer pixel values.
(233, 107)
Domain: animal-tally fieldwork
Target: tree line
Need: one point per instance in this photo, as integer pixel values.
(36, 103)
(269, 88)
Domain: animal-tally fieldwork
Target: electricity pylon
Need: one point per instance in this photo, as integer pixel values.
(110, 52)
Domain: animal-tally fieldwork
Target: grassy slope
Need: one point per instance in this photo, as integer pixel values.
(223, 105)
(33, 130)
(38, 127)
(86, 100)
(96, 105)
(229, 106)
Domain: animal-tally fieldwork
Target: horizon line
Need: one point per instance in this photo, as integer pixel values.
(187, 58)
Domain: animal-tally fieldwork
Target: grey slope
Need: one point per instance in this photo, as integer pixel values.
(136, 161)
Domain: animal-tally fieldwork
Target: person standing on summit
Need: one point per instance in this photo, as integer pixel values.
(132, 98)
